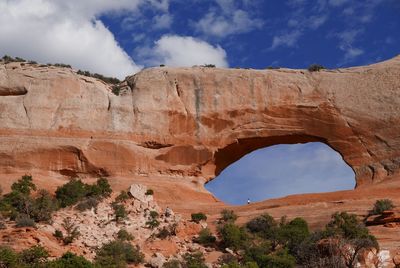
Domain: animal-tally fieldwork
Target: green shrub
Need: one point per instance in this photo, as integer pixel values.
(346, 225)
(232, 236)
(208, 65)
(163, 233)
(109, 80)
(228, 215)
(24, 185)
(315, 68)
(172, 264)
(152, 223)
(72, 231)
(34, 255)
(262, 224)
(194, 260)
(381, 205)
(43, 206)
(206, 238)
(293, 233)
(70, 260)
(123, 235)
(122, 197)
(119, 211)
(101, 189)
(149, 192)
(8, 258)
(24, 220)
(71, 192)
(58, 234)
(198, 217)
(118, 254)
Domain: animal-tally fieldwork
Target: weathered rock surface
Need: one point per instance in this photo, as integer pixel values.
(193, 122)
(174, 129)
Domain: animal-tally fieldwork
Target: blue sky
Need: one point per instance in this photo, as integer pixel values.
(282, 170)
(121, 37)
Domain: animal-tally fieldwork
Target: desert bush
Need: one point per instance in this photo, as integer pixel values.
(43, 206)
(208, 65)
(109, 80)
(315, 68)
(72, 231)
(381, 205)
(119, 211)
(118, 254)
(172, 264)
(262, 224)
(292, 234)
(58, 234)
(75, 190)
(206, 238)
(70, 260)
(24, 220)
(163, 233)
(87, 203)
(8, 258)
(153, 220)
(194, 260)
(34, 256)
(149, 192)
(24, 185)
(123, 235)
(198, 217)
(102, 188)
(71, 192)
(232, 236)
(122, 197)
(228, 215)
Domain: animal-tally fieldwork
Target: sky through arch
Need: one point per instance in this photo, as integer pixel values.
(281, 170)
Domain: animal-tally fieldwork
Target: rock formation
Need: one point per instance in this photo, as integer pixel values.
(174, 129)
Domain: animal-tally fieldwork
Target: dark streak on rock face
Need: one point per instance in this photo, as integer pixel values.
(12, 91)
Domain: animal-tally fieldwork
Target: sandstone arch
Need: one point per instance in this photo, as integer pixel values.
(191, 122)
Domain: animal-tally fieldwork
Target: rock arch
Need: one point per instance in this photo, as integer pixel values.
(192, 122)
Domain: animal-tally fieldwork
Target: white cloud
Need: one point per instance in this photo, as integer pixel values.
(346, 44)
(227, 20)
(65, 31)
(163, 21)
(174, 50)
(287, 39)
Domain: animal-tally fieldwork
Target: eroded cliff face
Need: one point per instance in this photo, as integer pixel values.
(191, 123)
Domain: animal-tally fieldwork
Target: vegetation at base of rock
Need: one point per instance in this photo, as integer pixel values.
(123, 235)
(118, 254)
(109, 80)
(119, 212)
(206, 238)
(265, 242)
(149, 192)
(75, 190)
(153, 222)
(228, 216)
(19, 204)
(315, 68)
(38, 256)
(71, 231)
(122, 197)
(381, 205)
(193, 260)
(198, 217)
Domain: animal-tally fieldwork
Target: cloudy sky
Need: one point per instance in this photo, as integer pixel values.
(120, 37)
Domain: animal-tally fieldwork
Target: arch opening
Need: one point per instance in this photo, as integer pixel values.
(279, 170)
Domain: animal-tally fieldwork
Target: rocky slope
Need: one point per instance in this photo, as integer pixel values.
(175, 129)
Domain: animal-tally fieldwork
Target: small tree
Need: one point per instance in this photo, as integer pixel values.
(34, 255)
(381, 205)
(72, 231)
(119, 211)
(194, 260)
(118, 254)
(198, 217)
(206, 238)
(123, 235)
(71, 192)
(232, 236)
(228, 215)
(315, 68)
(69, 259)
(43, 206)
(8, 257)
